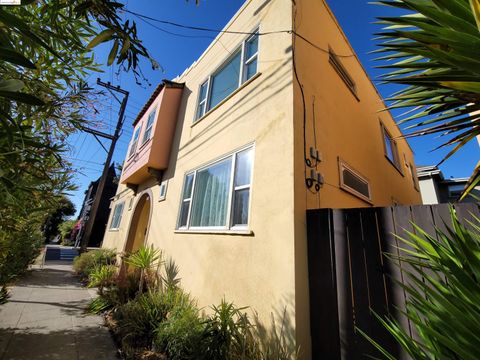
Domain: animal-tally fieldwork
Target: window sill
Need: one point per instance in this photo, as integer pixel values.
(143, 145)
(217, 232)
(114, 230)
(246, 83)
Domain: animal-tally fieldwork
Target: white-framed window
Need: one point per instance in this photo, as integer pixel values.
(240, 67)
(217, 196)
(148, 130)
(353, 182)
(163, 190)
(117, 216)
(390, 148)
(134, 142)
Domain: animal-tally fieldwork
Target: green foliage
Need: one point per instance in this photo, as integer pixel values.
(138, 319)
(102, 276)
(443, 293)
(65, 229)
(147, 261)
(180, 335)
(227, 334)
(20, 244)
(44, 62)
(88, 262)
(65, 208)
(98, 305)
(434, 50)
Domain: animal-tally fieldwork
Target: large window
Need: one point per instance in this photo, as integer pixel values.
(390, 147)
(240, 67)
(117, 216)
(134, 143)
(217, 196)
(148, 129)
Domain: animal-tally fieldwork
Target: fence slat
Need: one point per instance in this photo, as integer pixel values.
(359, 281)
(350, 275)
(323, 294)
(344, 298)
(466, 213)
(377, 280)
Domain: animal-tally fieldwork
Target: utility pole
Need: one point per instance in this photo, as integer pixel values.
(103, 179)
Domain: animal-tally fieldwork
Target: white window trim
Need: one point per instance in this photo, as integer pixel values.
(165, 185)
(113, 216)
(343, 165)
(229, 226)
(154, 112)
(133, 149)
(394, 146)
(241, 78)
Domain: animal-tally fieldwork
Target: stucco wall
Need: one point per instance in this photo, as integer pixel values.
(254, 269)
(340, 125)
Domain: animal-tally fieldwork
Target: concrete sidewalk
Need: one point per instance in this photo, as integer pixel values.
(44, 319)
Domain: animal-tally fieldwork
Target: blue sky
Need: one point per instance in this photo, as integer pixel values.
(175, 49)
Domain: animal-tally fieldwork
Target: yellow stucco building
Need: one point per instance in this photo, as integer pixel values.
(276, 117)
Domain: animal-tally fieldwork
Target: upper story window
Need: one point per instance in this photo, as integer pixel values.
(117, 216)
(148, 129)
(342, 71)
(217, 196)
(134, 143)
(390, 148)
(240, 67)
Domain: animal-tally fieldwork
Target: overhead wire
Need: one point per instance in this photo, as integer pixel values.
(220, 31)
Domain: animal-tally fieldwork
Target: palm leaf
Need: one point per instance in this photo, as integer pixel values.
(435, 51)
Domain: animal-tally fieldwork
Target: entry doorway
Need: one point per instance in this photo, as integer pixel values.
(139, 224)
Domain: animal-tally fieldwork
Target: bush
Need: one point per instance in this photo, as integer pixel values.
(180, 335)
(228, 335)
(18, 250)
(86, 263)
(139, 319)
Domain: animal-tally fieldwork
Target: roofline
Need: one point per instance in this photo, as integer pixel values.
(164, 84)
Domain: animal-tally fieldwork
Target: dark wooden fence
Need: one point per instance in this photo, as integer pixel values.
(350, 277)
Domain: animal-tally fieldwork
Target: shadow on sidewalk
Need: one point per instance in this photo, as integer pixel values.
(39, 343)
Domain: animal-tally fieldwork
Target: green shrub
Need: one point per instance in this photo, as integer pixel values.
(139, 319)
(146, 260)
(180, 335)
(87, 262)
(227, 335)
(18, 250)
(98, 305)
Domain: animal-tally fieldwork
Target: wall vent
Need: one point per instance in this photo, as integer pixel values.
(353, 182)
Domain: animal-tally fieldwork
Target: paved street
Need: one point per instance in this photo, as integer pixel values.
(44, 319)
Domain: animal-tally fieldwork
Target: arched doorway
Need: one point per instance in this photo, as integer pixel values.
(139, 223)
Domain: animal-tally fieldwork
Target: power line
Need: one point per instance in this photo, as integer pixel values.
(201, 28)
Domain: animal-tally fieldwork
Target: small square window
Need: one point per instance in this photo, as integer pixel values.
(163, 190)
(117, 216)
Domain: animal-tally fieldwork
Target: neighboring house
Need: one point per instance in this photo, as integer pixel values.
(226, 158)
(435, 189)
(101, 219)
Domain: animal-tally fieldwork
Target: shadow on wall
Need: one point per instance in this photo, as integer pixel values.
(279, 335)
